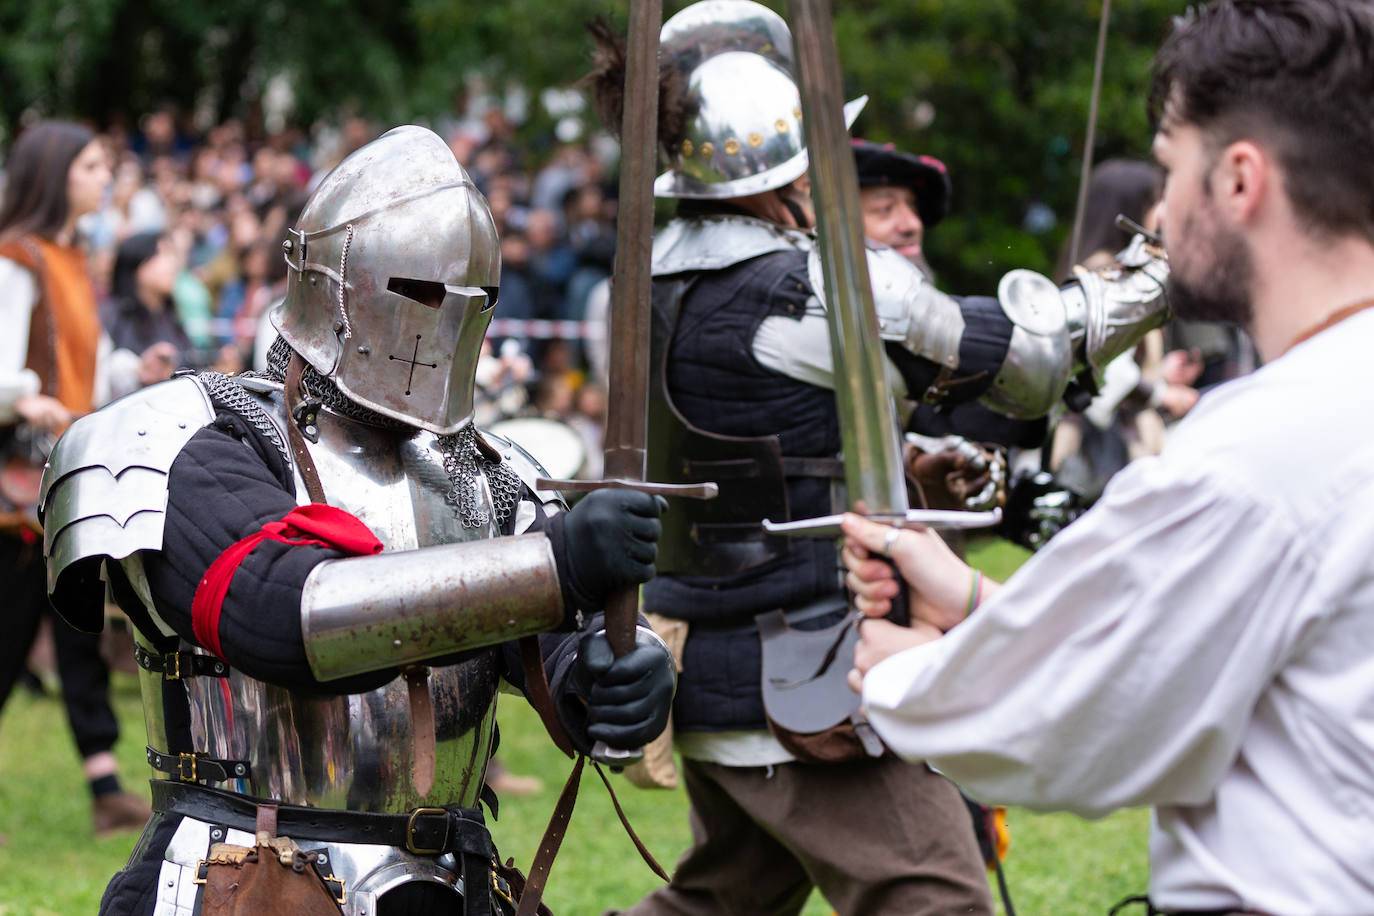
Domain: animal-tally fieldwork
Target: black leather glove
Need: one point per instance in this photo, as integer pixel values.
(623, 701)
(611, 540)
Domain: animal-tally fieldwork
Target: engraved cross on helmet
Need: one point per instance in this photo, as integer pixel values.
(394, 266)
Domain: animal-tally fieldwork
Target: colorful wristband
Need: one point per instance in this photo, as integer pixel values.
(975, 592)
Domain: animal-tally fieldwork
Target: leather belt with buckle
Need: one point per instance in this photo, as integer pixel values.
(176, 665)
(196, 767)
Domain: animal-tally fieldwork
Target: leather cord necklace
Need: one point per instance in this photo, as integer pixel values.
(1329, 321)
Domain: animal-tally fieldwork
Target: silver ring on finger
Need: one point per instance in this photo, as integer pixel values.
(890, 540)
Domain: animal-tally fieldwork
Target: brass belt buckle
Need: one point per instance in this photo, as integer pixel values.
(182, 761)
(410, 831)
(172, 672)
(502, 887)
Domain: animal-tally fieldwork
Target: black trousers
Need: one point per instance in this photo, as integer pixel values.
(81, 668)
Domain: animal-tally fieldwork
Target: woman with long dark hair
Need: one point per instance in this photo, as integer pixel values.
(139, 312)
(55, 364)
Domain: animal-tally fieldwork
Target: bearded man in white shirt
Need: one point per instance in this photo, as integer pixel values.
(1203, 640)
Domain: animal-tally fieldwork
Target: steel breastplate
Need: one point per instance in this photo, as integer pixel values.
(357, 752)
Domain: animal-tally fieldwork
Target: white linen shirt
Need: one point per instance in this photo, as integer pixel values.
(1201, 641)
(116, 370)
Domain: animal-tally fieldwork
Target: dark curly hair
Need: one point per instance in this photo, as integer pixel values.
(1295, 75)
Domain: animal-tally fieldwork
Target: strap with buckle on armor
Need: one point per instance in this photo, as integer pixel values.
(423, 831)
(195, 767)
(176, 665)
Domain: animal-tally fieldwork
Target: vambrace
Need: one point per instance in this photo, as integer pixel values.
(1044, 337)
(1064, 332)
(362, 614)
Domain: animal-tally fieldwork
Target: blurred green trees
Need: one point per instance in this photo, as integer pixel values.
(998, 89)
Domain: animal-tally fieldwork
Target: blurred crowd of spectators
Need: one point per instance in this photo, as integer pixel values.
(187, 247)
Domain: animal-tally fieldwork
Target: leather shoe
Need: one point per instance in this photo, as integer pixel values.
(118, 812)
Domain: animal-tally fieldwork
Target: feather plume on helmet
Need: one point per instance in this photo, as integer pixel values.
(607, 83)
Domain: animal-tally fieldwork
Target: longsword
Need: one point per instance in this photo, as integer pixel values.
(628, 384)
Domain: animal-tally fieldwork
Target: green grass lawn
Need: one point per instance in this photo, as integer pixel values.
(1058, 864)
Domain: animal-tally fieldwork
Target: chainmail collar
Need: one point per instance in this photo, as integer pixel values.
(475, 482)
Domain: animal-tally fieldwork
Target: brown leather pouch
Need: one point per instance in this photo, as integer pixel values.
(273, 878)
(840, 743)
(809, 706)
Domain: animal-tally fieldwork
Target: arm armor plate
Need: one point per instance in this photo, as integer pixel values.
(1103, 312)
(1056, 333)
(104, 490)
(394, 608)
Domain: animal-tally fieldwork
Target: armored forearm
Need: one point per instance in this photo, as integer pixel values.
(396, 608)
(1081, 327)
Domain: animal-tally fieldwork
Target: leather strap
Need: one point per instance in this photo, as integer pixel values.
(266, 821)
(813, 467)
(304, 463)
(421, 831)
(1334, 318)
(548, 846)
(737, 468)
(644, 853)
(537, 689)
(176, 665)
(196, 767)
(422, 727)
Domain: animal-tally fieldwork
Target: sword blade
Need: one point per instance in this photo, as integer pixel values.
(868, 418)
(628, 385)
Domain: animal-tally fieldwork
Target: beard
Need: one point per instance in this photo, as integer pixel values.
(1220, 291)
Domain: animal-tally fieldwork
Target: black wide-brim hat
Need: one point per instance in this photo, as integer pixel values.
(884, 164)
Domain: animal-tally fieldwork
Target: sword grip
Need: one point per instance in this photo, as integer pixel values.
(622, 617)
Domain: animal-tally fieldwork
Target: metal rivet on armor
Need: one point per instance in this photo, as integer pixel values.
(216, 834)
(687, 147)
(364, 350)
(396, 643)
(287, 245)
(708, 150)
(322, 858)
(338, 325)
(143, 432)
(755, 139)
(239, 769)
(314, 280)
(796, 113)
(781, 126)
(731, 146)
(171, 883)
(311, 431)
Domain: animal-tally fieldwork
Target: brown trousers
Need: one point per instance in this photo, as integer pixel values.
(876, 837)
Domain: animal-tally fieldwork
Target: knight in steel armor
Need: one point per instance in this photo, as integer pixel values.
(330, 569)
(742, 394)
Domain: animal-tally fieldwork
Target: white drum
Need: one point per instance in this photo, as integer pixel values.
(553, 443)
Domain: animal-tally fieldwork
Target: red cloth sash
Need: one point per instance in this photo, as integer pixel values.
(317, 524)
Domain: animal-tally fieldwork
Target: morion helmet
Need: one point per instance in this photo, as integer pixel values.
(745, 133)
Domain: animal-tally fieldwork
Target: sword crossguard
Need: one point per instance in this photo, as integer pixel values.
(706, 490)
